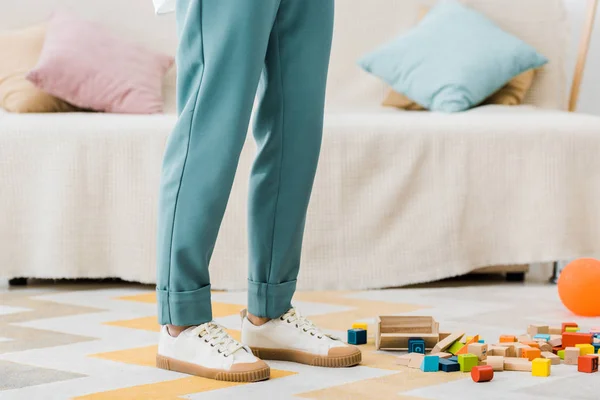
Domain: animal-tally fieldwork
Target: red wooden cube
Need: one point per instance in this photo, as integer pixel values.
(587, 363)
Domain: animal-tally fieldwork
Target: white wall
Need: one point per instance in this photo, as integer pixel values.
(589, 100)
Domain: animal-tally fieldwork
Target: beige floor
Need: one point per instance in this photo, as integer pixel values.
(98, 341)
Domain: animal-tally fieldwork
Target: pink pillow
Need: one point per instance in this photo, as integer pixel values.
(85, 65)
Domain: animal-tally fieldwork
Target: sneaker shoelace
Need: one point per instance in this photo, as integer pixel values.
(218, 337)
(293, 316)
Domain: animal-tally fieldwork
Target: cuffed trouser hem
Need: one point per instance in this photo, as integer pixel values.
(268, 300)
(184, 308)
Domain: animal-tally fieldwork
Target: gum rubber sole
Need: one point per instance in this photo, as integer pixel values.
(307, 358)
(197, 370)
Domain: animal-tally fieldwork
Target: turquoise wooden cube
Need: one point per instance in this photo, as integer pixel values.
(467, 362)
(357, 336)
(481, 341)
(542, 336)
(430, 364)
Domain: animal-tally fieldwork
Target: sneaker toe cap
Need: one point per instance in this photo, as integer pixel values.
(258, 365)
(343, 351)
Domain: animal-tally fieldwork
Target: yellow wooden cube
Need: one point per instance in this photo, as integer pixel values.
(360, 325)
(585, 349)
(541, 367)
(571, 329)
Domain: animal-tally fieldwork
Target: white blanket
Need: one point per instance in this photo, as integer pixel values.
(400, 197)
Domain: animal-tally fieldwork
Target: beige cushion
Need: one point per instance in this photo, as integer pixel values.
(19, 52)
(510, 95)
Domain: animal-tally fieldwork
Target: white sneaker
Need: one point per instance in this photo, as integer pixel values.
(207, 350)
(292, 337)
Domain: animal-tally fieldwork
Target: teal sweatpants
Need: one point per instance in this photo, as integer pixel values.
(229, 50)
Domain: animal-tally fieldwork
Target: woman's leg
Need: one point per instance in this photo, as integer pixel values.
(288, 130)
(223, 44)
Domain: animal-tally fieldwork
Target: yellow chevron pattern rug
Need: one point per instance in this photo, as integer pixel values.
(96, 342)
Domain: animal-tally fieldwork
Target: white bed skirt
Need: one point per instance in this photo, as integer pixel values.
(400, 198)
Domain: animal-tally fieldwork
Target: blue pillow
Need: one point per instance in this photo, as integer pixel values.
(453, 60)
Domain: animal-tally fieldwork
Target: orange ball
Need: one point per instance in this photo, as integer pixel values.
(579, 287)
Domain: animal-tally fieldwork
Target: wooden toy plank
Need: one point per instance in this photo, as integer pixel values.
(517, 364)
(554, 359)
(447, 342)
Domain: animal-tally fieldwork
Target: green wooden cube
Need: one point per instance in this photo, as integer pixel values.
(467, 362)
(456, 346)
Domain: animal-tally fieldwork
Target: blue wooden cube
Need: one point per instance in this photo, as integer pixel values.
(453, 358)
(596, 347)
(481, 341)
(448, 366)
(430, 364)
(357, 336)
(416, 345)
(542, 336)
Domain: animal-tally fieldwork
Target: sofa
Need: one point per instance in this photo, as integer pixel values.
(400, 197)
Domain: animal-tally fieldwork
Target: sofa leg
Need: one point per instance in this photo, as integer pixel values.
(515, 277)
(17, 282)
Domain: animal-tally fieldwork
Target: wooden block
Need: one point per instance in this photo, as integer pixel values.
(442, 355)
(517, 364)
(444, 335)
(566, 325)
(416, 360)
(430, 364)
(403, 359)
(587, 363)
(467, 362)
(479, 349)
(519, 349)
(541, 367)
(456, 347)
(444, 344)
(571, 329)
(570, 339)
(511, 350)
(524, 338)
(555, 330)
(537, 329)
(449, 366)
(572, 355)
(483, 373)
(532, 344)
(531, 354)
(465, 348)
(561, 354)
(496, 362)
(497, 351)
(360, 325)
(507, 339)
(554, 359)
(556, 342)
(586, 349)
(545, 347)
